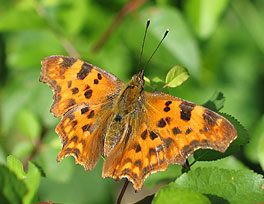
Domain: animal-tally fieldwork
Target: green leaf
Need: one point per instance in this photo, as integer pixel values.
(15, 166)
(31, 179)
(29, 124)
(255, 142)
(32, 182)
(236, 186)
(216, 101)
(260, 152)
(170, 174)
(12, 189)
(171, 194)
(155, 83)
(235, 146)
(176, 76)
(204, 15)
(147, 80)
(230, 162)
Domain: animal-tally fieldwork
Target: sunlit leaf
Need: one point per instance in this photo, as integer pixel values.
(176, 76)
(236, 186)
(171, 194)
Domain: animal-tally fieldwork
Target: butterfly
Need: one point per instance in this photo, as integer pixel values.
(136, 131)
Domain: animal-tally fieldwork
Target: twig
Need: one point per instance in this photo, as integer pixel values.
(128, 8)
(37, 148)
(122, 192)
(68, 46)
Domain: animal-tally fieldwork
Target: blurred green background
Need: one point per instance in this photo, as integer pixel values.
(220, 42)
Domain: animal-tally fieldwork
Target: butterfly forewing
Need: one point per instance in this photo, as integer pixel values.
(83, 96)
(185, 127)
(75, 81)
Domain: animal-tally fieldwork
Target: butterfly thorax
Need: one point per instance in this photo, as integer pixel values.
(126, 107)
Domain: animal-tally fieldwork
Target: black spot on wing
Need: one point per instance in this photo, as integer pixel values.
(96, 81)
(69, 84)
(138, 148)
(188, 131)
(144, 134)
(86, 127)
(153, 135)
(88, 94)
(186, 110)
(168, 103)
(75, 90)
(84, 110)
(86, 69)
(176, 130)
(138, 163)
(91, 114)
(67, 62)
(99, 76)
(161, 123)
(166, 109)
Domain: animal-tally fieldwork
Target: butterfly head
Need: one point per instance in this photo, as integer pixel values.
(138, 80)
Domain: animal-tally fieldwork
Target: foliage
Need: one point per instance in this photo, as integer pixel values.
(218, 45)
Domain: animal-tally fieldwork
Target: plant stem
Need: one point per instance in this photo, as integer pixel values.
(37, 148)
(68, 46)
(122, 192)
(128, 8)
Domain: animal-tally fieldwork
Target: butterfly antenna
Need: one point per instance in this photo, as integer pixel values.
(144, 39)
(164, 36)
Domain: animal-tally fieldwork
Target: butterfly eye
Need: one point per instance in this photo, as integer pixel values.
(131, 86)
(118, 118)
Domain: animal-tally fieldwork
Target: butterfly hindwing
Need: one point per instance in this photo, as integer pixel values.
(136, 156)
(167, 132)
(81, 131)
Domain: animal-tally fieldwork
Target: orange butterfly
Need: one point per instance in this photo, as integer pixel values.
(138, 132)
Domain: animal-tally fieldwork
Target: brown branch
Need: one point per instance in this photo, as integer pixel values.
(122, 192)
(36, 149)
(128, 8)
(68, 46)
